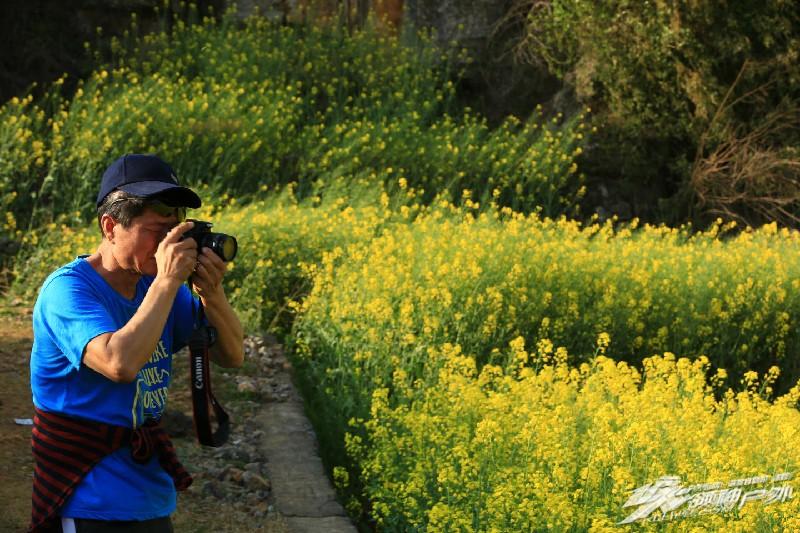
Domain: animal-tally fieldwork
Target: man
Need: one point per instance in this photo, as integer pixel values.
(105, 328)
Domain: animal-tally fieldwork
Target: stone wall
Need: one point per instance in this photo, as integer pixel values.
(494, 82)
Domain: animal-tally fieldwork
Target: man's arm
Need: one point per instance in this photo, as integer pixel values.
(207, 281)
(121, 354)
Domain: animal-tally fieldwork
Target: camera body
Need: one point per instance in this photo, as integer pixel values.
(225, 246)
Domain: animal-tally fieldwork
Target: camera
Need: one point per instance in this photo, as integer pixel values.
(224, 245)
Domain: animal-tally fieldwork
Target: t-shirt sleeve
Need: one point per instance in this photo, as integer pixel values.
(183, 311)
(72, 315)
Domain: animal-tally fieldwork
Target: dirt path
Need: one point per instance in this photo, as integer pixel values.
(16, 468)
(271, 437)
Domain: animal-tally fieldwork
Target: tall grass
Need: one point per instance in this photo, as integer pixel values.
(482, 281)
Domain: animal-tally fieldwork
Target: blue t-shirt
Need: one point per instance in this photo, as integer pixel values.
(74, 306)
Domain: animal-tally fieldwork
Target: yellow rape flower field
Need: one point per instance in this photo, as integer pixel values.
(490, 371)
(561, 448)
(467, 367)
(417, 341)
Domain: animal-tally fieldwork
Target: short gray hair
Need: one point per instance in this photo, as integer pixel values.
(121, 206)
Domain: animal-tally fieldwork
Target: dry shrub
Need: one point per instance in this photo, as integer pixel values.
(750, 175)
(752, 184)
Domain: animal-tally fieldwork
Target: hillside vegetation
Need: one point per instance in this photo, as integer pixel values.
(475, 353)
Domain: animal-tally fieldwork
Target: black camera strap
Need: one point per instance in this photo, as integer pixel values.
(202, 337)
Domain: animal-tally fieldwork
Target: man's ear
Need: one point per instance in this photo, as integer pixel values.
(107, 224)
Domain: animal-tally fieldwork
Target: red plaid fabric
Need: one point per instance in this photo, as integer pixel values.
(65, 449)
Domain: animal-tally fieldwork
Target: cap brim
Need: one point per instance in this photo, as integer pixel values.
(170, 194)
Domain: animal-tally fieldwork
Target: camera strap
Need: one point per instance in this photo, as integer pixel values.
(202, 337)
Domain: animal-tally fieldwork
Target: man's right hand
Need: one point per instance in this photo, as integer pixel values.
(176, 258)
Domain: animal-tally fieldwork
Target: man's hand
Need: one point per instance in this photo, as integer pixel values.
(208, 274)
(207, 283)
(176, 258)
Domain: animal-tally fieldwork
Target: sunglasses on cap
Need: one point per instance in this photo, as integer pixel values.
(164, 210)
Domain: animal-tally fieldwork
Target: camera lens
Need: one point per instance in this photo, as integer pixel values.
(223, 245)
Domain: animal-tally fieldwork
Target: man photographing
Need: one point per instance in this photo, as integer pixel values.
(105, 328)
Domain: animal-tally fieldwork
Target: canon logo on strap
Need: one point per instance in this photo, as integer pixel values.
(198, 373)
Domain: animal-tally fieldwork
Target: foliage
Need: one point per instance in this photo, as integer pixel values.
(431, 352)
(238, 107)
(281, 243)
(543, 446)
(382, 313)
(673, 81)
(453, 349)
(482, 281)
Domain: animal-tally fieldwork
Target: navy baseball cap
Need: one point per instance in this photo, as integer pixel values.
(146, 176)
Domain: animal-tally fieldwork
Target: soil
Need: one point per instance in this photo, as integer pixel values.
(198, 511)
(16, 464)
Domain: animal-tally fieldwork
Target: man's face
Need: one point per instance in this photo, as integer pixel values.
(135, 246)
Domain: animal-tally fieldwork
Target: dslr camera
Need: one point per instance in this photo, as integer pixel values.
(225, 246)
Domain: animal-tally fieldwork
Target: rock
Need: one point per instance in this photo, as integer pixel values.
(236, 472)
(176, 423)
(222, 475)
(253, 481)
(233, 454)
(213, 489)
(246, 385)
(234, 475)
(255, 468)
(501, 84)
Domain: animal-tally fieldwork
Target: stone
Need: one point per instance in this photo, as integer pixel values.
(253, 481)
(235, 475)
(213, 489)
(270, 468)
(255, 468)
(246, 385)
(177, 424)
